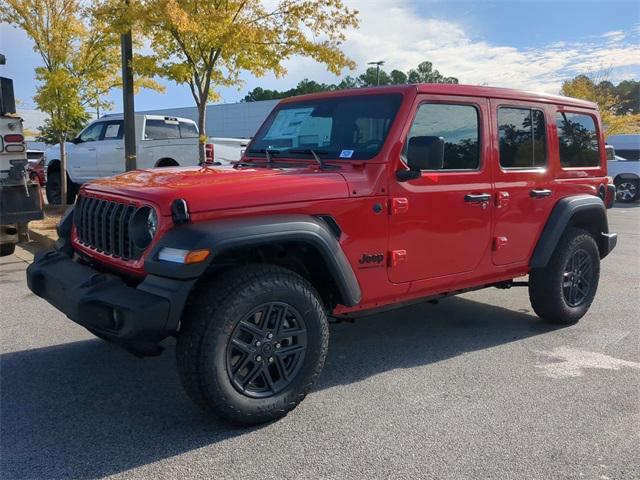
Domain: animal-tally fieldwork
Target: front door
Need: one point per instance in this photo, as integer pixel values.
(82, 155)
(111, 149)
(524, 195)
(440, 223)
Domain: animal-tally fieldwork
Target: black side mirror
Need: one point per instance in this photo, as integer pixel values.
(423, 153)
(76, 140)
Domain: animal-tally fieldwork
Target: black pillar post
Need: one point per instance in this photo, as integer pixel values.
(126, 48)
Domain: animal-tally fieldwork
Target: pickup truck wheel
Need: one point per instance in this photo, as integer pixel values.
(562, 291)
(7, 249)
(252, 351)
(54, 189)
(627, 190)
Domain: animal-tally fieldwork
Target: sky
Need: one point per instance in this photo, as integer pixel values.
(518, 44)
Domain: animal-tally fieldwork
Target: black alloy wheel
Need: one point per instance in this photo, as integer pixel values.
(577, 278)
(252, 343)
(562, 291)
(266, 350)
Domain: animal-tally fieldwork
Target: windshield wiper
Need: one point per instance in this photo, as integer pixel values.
(268, 153)
(316, 156)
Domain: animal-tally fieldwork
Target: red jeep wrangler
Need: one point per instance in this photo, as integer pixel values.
(345, 203)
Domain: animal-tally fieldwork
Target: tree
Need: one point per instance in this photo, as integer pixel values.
(80, 64)
(398, 77)
(48, 135)
(425, 73)
(207, 43)
(56, 29)
(370, 78)
(628, 92)
(617, 116)
(366, 79)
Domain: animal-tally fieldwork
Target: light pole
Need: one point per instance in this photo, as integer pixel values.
(377, 64)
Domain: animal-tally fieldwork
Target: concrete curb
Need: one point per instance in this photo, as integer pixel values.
(42, 238)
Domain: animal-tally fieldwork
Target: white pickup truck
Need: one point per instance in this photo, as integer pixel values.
(98, 151)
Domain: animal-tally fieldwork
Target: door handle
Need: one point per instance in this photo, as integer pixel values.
(477, 197)
(91, 149)
(119, 148)
(540, 193)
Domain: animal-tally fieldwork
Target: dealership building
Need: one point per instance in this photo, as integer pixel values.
(239, 120)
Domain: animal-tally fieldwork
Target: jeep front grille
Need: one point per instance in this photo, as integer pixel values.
(104, 226)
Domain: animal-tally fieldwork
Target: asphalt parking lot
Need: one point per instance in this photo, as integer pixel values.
(474, 387)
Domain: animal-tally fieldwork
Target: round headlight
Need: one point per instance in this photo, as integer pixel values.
(143, 226)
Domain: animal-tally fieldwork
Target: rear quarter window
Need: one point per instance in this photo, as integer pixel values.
(188, 130)
(577, 140)
(161, 130)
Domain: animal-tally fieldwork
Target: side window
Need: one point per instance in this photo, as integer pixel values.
(457, 125)
(188, 130)
(578, 140)
(92, 133)
(113, 131)
(161, 129)
(522, 138)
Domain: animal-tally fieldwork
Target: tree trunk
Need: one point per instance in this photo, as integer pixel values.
(202, 128)
(63, 169)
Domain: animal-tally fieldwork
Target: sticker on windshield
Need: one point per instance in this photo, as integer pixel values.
(346, 154)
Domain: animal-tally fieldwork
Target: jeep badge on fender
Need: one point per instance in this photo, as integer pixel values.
(258, 256)
(371, 259)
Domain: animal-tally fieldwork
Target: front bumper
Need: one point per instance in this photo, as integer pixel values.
(136, 318)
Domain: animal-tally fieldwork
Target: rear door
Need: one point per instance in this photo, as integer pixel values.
(440, 223)
(523, 179)
(110, 158)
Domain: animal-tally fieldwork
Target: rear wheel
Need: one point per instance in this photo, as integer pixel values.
(562, 291)
(627, 190)
(252, 351)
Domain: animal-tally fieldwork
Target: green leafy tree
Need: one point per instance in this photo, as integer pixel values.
(207, 43)
(617, 115)
(80, 64)
(370, 78)
(424, 73)
(398, 77)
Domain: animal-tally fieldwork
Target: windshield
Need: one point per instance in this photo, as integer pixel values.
(340, 127)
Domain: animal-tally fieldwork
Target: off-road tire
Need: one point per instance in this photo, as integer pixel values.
(546, 290)
(211, 316)
(7, 249)
(53, 189)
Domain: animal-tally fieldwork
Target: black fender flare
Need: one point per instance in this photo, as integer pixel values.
(562, 216)
(626, 176)
(221, 235)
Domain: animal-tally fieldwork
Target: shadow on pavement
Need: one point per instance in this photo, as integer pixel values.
(87, 409)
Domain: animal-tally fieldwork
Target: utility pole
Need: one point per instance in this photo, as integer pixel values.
(126, 47)
(377, 64)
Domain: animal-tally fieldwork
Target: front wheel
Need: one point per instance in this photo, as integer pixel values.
(54, 189)
(562, 291)
(252, 351)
